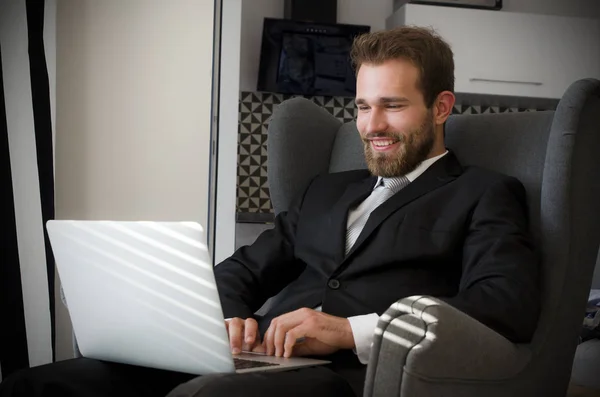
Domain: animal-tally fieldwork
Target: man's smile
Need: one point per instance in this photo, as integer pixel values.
(383, 144)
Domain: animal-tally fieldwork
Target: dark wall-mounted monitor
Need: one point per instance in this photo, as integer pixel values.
(306, 58)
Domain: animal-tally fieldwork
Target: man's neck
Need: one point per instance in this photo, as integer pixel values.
(437, 150)
(420, 169)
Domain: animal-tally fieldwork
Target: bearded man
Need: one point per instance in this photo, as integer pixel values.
(415, 223)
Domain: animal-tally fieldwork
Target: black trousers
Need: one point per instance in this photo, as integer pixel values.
(93, 378)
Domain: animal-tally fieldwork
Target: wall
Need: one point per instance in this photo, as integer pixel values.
(229, 88)
(571, 8)
(360, 12)
(133, 112)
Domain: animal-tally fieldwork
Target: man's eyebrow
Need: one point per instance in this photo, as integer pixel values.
(393, 99)
(383, 100)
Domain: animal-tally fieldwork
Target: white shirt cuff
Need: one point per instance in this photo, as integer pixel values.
(363, 328)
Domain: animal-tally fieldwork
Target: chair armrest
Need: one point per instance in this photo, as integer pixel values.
(427, 338)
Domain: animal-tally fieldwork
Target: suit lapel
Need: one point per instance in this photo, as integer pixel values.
(440, 173)
(355, 193)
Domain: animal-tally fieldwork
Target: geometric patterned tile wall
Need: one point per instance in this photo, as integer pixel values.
(255, 110)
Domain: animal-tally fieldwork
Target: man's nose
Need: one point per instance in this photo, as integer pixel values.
(377, 122)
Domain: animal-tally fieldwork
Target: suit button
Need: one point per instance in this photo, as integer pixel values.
(333, 284)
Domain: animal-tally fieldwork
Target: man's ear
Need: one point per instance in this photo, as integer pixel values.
(443, 105)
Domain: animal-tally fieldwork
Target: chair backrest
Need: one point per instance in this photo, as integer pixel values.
(555, 154)
(347, 152)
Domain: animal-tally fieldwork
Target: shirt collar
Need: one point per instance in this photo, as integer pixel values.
(414, 174)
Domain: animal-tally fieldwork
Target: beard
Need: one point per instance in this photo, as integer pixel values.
(414, 147)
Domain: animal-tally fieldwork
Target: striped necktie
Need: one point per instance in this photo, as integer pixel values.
(357, 219)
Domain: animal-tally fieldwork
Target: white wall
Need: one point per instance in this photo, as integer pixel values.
(231, 21)
(566, 8)
(133, 112)
(570, 8)
(359, 12)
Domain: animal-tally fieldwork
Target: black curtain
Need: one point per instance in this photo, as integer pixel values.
(42, 118)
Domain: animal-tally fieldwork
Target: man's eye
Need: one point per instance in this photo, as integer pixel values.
(363, 108)
(394, 106)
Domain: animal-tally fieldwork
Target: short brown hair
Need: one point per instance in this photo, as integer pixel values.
(423, 47)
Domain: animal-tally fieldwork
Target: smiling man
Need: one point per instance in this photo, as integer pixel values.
(415, 223)
(398, 127)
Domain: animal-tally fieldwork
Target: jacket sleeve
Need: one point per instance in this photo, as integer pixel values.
(256, 272)
(499, 285)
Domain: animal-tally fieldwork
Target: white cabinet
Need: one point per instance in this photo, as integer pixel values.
(504, 53)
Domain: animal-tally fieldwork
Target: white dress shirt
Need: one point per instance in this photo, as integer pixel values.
(363, 326)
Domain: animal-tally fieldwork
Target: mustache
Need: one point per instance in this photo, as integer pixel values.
(389, 135)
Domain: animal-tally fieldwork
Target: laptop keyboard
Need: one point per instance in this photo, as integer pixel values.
(241, 363)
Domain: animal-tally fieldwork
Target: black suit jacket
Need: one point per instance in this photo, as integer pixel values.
(458, 234)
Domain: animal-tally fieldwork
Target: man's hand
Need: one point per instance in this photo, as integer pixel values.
(243, 335)
(307, 332)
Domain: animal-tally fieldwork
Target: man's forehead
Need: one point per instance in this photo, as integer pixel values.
(399, 68)
(389, 80)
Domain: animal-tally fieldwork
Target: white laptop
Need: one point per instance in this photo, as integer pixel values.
(144, 293)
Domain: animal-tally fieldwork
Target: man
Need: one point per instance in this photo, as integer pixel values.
(415, 223)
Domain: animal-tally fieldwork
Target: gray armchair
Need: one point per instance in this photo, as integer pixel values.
(586, 364)
(424, 347)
